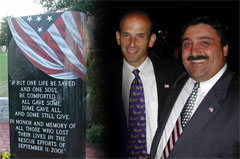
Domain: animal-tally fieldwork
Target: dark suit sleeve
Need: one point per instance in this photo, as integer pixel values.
(117, 120)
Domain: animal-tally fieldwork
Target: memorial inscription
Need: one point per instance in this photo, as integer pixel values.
(40, 119)
(47, 89)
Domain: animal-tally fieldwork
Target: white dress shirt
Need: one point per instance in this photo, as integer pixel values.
(150, 93)
(180, 102)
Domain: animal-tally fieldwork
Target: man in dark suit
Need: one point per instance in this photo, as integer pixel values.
(210, 128)
(135, 36)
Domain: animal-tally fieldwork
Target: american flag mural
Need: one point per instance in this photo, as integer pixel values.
(55, 43)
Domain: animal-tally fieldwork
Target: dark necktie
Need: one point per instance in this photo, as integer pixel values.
(137, 119)
(188, 107)
(181, 121)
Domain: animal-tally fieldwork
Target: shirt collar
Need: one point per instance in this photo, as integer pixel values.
(205, 86)
(129, 68)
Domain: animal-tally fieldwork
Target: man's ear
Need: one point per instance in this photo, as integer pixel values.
(225, 50)
(118, 38)
(152, 40)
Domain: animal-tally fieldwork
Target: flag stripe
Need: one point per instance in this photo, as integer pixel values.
(43, 68)
(50, 70)
(174, 136)
(62, 57)
(176, 132)
(56, 35)
(60, 50)
(31, 33)
(69, 40)
(30, 45)
(178, 128)
(19, 37)
(73, 22)
(80, 26)
(164, 154)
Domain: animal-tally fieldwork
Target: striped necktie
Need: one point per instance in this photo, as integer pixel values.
(137, 119)
(181, 122)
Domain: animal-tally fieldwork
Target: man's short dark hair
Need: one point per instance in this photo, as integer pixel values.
(140, 12)
(221, 29)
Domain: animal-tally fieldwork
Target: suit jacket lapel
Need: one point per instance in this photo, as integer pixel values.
(208, 108)
(200, 118)
(164, 82)
(167, 110)
(169, 105)
(159, 80)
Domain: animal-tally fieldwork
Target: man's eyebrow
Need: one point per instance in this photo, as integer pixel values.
(141, 33)
(206, 37)
(185, 39)
(200, 38)
(124, 32)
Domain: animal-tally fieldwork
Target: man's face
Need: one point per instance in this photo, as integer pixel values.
(135, 38)
(202, 41)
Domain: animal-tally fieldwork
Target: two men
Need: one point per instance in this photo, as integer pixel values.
(208, 127)
(155, 76)
(205, 125)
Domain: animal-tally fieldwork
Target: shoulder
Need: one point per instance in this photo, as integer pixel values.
(114, 74)
(234, 86)
(115, 68)
(235, 80)
(165, 62)
(229, 81)
(167, 68)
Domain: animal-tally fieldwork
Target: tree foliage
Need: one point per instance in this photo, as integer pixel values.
(4, 31)
(86, 6)
(96, 87)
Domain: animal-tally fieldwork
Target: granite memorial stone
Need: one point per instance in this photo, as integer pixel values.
(47, 88)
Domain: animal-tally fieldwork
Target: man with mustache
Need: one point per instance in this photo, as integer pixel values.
(201, 115)
(135, 36)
